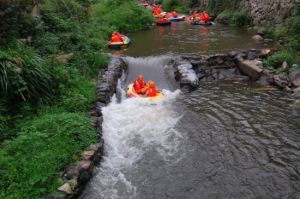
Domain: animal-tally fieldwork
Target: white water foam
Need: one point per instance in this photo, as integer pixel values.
(131, 129)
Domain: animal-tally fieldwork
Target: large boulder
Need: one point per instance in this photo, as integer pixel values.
(252, 68)
(295, 78)
(186, 75)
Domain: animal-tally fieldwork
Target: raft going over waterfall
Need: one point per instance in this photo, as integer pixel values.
(131, 93)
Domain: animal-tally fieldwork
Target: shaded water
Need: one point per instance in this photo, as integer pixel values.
(223, 140)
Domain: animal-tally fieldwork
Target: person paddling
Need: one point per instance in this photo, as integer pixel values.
(140, 86)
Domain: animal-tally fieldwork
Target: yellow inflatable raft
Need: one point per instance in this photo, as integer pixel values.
(131, 93)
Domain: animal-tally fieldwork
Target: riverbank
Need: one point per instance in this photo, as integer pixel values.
(50, 55)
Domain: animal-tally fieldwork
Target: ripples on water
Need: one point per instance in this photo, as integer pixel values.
(244, 144)
(221, 141)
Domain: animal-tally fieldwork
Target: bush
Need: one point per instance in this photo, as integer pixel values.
(79, 98)
(177, 5)
(273, 33)
(275, 61)
(124, 16)
(24, 76)
(3, 121)
(215, 7)
(234, 18)
(30, 164)
(292, 31)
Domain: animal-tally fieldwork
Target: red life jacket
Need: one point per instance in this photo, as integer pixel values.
(138, 86)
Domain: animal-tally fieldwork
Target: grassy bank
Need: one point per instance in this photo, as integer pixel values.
(50, 55)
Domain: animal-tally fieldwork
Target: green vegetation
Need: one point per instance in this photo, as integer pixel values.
(44, 99)
(177, 5)
(289, 34)
(234, 18)
(215, 7)
(45, 145)
(275, 61)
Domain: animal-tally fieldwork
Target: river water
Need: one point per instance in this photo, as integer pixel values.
(224, 140)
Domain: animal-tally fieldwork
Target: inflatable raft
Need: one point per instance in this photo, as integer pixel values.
(202, 23)
(118, 45)
(131, 93)
(163, 23)
(180, 18)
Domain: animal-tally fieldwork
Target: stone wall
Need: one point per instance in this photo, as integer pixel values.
(268, 12)
(76, 176)
(235, 66)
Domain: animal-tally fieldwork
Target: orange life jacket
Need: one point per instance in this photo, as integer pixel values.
(115, 38)
(152, 92)
(174, 14)
(204, 17)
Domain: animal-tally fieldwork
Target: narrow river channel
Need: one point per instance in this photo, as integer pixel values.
(224, 140)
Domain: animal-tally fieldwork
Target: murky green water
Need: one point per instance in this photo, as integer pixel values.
(183, 38)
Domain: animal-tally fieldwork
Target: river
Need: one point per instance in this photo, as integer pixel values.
(224, 140)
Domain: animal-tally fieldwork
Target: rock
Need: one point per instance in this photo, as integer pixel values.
(267, 40)
(295, 78)
(66, 188)
(284, 65)
(56, 197)
(281, 80)
(252, 68)
(261, 31)
(258, 38)
(296, 92)
(87, 155)
(186, 75)
(263, 81)
(64, 58)
(73, 183)
(84, 177)
(239, 78)
(73, 172)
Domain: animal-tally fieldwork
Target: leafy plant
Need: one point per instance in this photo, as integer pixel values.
(30, 164)
(275, 61)
(23, 76)
(234, 18)
(177, 5)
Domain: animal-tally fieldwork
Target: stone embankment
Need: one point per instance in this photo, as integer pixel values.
(268, 12)
(234, 66)
(78, 175)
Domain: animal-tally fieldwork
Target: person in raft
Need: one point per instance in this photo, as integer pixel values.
(116, 37)
(140, 86)
(174, 14)
(162, 19)
(204, 17)
(152, 90)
